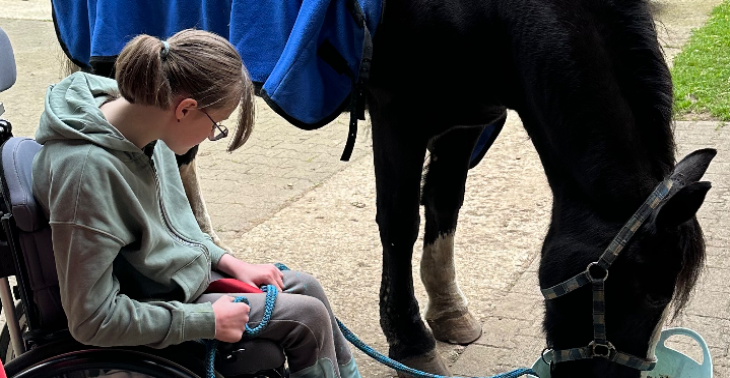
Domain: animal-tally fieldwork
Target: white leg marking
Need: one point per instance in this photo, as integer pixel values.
(438, 274)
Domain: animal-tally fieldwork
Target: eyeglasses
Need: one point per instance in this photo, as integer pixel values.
(222, 130)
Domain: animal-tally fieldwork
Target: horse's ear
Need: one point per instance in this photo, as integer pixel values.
(694, 165)
(683, 205)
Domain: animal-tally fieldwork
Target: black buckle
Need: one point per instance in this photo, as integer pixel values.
(233, 356)
(6, 130)
(602, 350)
(596, 273)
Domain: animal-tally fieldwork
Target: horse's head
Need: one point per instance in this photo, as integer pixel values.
(606, 321)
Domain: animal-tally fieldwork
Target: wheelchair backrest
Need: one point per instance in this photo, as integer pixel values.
(7, 62)
(29, 237)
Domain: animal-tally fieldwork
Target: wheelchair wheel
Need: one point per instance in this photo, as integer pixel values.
(105, 363)
(67, 358)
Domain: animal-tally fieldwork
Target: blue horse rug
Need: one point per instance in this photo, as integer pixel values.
(309, 58)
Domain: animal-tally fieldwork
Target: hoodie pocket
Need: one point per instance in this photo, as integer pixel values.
(193, 277)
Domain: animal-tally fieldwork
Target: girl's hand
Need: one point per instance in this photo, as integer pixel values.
(230, 319)
(253, 274)
(259, 275)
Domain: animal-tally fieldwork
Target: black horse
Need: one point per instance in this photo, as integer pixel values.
(589, 81)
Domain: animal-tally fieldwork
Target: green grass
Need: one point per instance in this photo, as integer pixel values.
(701, 72)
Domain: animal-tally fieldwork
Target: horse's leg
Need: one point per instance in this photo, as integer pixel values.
(189, 175)
(398, 156)
(443, 195)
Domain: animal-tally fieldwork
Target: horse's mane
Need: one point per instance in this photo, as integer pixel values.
(692, 245)
(646, 82)
(643, 77)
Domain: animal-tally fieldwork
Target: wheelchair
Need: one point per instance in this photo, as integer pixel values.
(35, 341)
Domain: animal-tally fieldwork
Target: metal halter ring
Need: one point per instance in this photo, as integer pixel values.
(596, 349)
(593, 278)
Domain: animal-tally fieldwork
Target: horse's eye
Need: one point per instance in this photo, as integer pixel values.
(657, 300)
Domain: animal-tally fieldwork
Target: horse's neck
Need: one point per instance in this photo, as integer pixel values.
(602, 129)
(610, 175)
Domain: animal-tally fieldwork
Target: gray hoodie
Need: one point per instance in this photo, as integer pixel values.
(129, 253)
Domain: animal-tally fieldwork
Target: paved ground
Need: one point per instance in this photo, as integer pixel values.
(286, 197)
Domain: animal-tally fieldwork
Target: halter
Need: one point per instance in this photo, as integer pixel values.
(596, 274)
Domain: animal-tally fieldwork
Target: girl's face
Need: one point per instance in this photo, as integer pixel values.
(192, 125)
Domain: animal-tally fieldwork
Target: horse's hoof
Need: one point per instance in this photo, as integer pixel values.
(459, 329)
(430, 362)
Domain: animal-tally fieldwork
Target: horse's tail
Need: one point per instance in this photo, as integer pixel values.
(67, 66)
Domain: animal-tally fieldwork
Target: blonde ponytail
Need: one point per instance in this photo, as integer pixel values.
(141, 75)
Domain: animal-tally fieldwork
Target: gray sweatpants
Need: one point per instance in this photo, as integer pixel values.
(302, 324)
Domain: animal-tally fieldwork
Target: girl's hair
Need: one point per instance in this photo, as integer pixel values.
(196, 64)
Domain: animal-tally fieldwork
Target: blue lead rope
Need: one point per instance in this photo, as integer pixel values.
(271, 293)
(354, 340)
(211, 346)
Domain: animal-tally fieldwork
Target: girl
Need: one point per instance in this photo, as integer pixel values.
(132, 261)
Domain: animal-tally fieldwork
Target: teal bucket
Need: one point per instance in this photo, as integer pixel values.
(670, 363)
